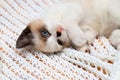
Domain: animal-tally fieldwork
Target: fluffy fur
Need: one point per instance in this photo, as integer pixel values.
(79, 22)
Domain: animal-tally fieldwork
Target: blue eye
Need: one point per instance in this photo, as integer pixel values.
(45, 34)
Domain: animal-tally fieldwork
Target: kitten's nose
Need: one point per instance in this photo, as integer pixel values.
(59, 29)
(58, 34)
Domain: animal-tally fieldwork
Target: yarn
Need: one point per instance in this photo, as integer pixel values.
(103, 63)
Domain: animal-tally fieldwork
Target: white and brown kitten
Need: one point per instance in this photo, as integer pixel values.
(73, 24)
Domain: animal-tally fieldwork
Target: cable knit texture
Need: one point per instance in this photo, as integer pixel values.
(103, 63)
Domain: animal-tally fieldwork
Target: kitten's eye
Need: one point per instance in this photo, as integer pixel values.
(45, 33)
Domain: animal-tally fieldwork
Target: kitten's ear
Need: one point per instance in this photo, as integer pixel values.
(25, 38)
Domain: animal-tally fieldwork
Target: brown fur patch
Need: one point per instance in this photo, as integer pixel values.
(36, 26)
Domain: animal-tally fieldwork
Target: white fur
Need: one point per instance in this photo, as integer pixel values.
(82, 22)
(115, 38)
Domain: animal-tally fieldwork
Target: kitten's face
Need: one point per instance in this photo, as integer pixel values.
(44, 36)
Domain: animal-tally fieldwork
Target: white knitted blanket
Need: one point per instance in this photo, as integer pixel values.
(103, 63)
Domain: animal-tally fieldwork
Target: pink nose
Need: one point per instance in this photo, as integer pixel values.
(59, 29)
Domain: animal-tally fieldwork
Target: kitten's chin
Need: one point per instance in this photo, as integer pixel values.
(49, 51)
(52, 52)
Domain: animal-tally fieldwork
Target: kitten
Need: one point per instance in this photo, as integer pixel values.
(73, 24)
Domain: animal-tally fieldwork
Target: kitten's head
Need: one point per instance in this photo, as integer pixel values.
(44, 36)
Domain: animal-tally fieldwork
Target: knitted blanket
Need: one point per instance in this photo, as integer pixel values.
(103, 63)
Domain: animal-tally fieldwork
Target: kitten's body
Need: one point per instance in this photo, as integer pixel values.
(80, 22)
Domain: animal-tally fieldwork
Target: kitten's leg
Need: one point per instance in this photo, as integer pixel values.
(114, 7)
(90, 35)
(115, 12)
(115, 38)
(76, 35)
(82, 37)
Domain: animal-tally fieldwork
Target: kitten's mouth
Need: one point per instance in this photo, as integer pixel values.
(63, 43)
(60, 42)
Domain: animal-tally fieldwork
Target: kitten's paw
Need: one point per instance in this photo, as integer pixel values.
(77, 36)
(84, 49)
(118, 47)
(115, 39)
(89, 33)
